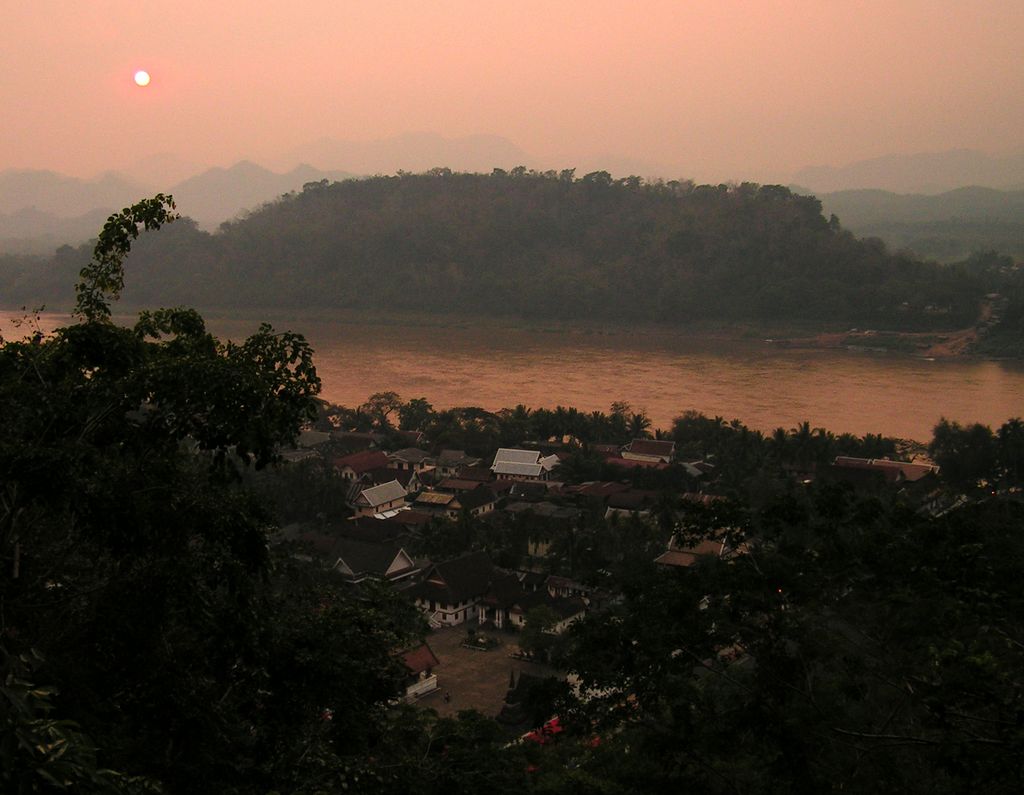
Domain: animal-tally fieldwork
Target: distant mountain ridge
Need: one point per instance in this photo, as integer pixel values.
(858, 207)
(948, 226)
(63, 196)
(219, 194)
(42, 209)
(925, 172)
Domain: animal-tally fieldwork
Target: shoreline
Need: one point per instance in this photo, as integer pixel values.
(929, 345)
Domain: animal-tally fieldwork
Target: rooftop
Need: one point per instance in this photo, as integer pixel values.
(386, 492)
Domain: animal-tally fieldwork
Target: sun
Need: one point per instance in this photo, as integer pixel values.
(142, 78)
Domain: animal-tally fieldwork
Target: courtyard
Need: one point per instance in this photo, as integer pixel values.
(474, 679)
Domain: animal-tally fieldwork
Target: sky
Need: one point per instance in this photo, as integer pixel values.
(709, 90)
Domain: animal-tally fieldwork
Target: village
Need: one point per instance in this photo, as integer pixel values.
(503, 551)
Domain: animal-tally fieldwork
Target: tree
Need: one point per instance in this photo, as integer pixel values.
(380, 406)
(1011, 451)
(854, 646)
(536, 638)
(415, 415)
(136, 564)
(639, 425)
(966, 455)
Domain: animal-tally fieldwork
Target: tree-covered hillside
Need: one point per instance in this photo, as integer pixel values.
(537, 245)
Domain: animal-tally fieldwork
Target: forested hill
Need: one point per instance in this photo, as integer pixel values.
(535, 245)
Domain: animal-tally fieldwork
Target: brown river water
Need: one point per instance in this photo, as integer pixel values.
(665, 373)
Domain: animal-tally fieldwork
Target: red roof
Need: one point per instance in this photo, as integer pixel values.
(420, 659)
(652, 447)
(629, 463)
(363, 461)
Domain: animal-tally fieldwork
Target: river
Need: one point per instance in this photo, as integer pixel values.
(494, 365)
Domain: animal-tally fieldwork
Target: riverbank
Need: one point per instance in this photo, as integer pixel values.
(943, 344)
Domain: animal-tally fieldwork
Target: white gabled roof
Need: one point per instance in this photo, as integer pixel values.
(385, 492)
(508, 461)
(508, 455)
(511, 468)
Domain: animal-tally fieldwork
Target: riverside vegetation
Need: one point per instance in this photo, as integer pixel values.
(151, 639)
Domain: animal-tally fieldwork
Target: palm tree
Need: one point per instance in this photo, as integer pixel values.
(639, 425)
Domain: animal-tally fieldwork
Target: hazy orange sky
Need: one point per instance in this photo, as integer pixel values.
(711, 90)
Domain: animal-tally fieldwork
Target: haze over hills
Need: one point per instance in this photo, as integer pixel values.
(63, 196)
(220, 194)
(859, 207)
(52, 213)
(948, 226)
(162, 169)
(924, 172)
(42, 209)
(32, 231)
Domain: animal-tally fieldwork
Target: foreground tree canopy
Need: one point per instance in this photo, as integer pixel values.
(144, 626)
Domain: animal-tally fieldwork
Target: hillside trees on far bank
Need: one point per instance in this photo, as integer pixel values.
(550, 245)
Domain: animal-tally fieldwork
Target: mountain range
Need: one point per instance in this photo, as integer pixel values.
(925, 172)
(40, 210)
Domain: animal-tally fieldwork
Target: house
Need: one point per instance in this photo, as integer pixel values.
(894, 471)
(481, 474)
(512, 464)
(354, 465)
(654, 451)
(507, 604)
(409, 479)
(297, 455)
(451, 591)
(310, 438)
(565, 586)
(633, 463)
(411, 438)
(596, 490)
(449, 462)
(378, 499)
(632, 503)
(411, 458)
(420, 678)
(457, 485)
(412, 521)
(682, 556)
(357, 560)
(477, 502)
(437, 503)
